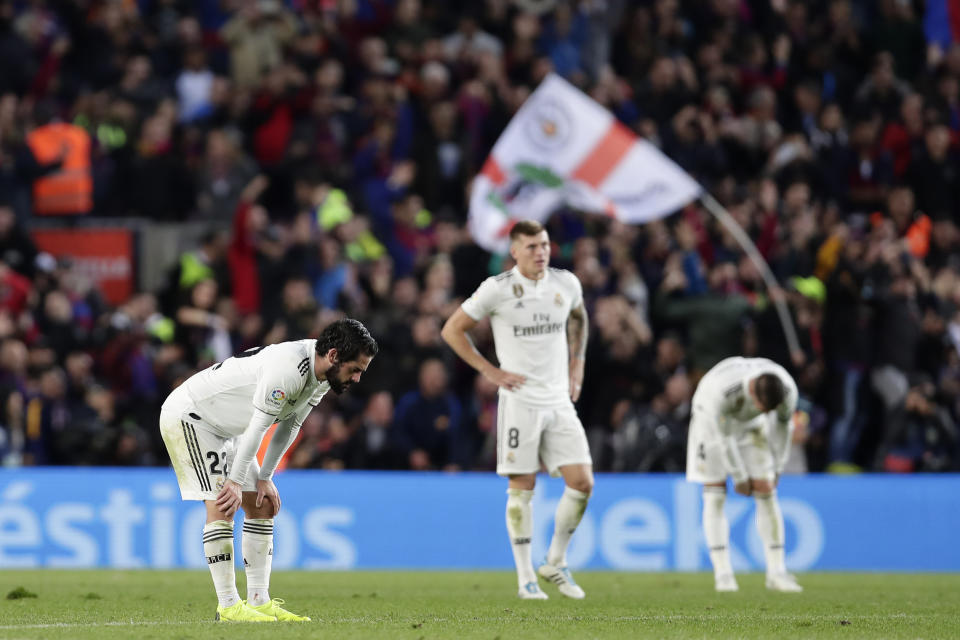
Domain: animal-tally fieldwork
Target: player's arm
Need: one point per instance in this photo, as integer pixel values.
(284, 436)
(230, 496)
(275, 383)
(455, 333)
(577, 331)
(732, 460)
(783, 425)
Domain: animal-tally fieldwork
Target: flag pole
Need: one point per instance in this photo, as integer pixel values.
(724, 217)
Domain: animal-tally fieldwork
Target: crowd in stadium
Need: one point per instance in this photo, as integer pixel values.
(328, 145)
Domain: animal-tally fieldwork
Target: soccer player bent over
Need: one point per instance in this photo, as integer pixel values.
(540, 334)
(741, 426)
(213, 425)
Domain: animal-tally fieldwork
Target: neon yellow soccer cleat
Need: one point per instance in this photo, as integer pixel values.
(240, 612)
(274, 609)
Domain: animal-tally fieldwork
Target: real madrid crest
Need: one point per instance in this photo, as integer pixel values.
(518, 290)
(558, 300)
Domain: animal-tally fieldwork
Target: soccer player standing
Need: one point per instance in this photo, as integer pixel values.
(213, 425)
(742, 422)
(540, 334)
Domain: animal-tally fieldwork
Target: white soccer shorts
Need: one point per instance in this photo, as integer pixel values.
(705, 452)
(527, 435)
(201, 458)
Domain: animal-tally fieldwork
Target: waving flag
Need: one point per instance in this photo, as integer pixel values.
(564, 149)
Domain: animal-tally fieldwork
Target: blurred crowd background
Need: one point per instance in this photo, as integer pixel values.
(327, 148)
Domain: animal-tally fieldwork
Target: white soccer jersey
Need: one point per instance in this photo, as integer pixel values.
(277, 379)
(723, 394)
(529, 320)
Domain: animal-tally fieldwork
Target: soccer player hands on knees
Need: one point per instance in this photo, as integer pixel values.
(266, 489)
(229, 498)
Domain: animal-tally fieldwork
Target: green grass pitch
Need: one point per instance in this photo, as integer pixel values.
(462, 605)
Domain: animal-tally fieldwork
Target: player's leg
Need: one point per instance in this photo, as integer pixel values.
(716, 531)
(256, 544)
(578, 479)
(769, 524)
(705, 466)
(570, 509)
(770, 528)
(196, 455)
(565, 451)
(518, 439)
(520, 529)
(758, 458)
(218, 550)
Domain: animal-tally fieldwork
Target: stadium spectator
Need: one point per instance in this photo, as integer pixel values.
(206, 261)
(338, 145)
(924, 436)
(17, 249)
(47, 429)
(256, 35)
(427, 429)
(713, 320)
(371, 444)
(224, 173)
(933, 176)
(480, 422)
(650, 436)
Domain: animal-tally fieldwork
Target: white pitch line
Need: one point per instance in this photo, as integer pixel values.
(351, 620)
(73, 625)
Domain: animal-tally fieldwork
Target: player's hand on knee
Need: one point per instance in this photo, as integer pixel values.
(744, 488)
(229, 498)
(266, 489)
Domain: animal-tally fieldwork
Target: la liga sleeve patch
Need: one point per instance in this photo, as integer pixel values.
(275, 398)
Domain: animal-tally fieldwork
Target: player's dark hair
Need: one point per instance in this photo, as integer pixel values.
(525, 228)
(770, 391)
(349, 337)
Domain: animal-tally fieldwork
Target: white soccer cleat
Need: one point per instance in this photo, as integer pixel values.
(531, 591)
(783, 582)
(725, 583)
(561, 577)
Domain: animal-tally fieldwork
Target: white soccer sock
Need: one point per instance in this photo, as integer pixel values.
(520, 528)
(257, 545)
(770, 528)
(716, 529)
(218, 548)
(569, 513)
